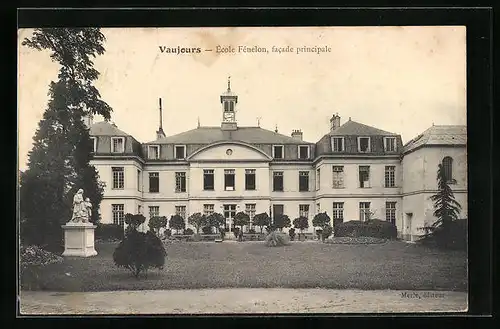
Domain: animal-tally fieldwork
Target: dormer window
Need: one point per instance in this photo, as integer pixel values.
(364, 144)
(278, 152)
(180, 152)
(338, 144)
(94, 144)
(117, 144)
(303, 152)
(154, 152)
(390, 144)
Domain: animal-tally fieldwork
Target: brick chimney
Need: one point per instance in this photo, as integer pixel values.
(297, 134)
(334, 122)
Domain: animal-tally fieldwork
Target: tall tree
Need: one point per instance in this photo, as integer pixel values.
(446, 208)
(58, 164)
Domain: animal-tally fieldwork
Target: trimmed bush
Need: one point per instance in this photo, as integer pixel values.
(109, 232)
(168, 233)
(277, 239)
(327, 231)
(188, 231)
(206, 230)
(236, 231)
(291, 233)
(140, 251)
(372, 228)
(156, 223)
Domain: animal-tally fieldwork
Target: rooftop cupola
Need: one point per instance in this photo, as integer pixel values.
(228, 100)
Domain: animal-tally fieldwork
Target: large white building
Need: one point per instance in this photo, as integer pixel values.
(352, 170)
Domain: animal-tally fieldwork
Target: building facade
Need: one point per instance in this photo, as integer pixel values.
(354, 171)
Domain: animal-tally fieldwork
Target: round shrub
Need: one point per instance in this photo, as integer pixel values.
(372, 228)
(188, 231)
(277, 239)
(291, 233)
(140, 251)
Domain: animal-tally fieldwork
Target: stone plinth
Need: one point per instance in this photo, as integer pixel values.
(79, 239)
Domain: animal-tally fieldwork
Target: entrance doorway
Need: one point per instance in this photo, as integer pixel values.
(407, 228)
(229, 213)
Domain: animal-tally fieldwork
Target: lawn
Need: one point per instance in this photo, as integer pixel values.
(191, 265)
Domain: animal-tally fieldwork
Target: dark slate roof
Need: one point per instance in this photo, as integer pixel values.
(105, 128)
(439, 135)
(207, 135)
(359, 129)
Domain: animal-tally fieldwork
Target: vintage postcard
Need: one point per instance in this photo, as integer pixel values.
(242, 170)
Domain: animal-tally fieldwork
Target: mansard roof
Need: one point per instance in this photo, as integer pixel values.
(439, 135)
(355, 128)
(106, 128)
(207, 135)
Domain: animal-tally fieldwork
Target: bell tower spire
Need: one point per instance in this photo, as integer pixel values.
(229, 101)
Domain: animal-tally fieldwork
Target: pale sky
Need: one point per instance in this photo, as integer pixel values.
(399, 79)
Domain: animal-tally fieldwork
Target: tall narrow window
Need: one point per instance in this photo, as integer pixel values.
(180, 152)
(278, 209)
(390, 173)
(448, 169)
(278, 152)
(250, 211)
(154, 211)
(249, 179)
(117, 144)
(390, 212)
(181, 211)
(303, 152)
(208, 209)
(208, 179)
(364, 144)
(154, 182)
(318, 208)
(338, 211)
(338, 144)
(229, 179)
(318, 180)
(139, 180)
(304, 210)
(390, 144)
(118, 214)
(153, 152)
(94, 144)
(364, 211)
(118, 177)
(180, 182)
(338, 177)
(278, 181)
(303, 181)
(139, 209)
(364, 176)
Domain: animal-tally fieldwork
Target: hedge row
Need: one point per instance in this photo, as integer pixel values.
(371, 228)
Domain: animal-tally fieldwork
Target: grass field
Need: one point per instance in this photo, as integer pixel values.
(391, 265)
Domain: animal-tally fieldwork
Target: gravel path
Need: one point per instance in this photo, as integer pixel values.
(241, 301)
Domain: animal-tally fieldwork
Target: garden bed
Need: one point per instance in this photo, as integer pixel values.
(355, 240)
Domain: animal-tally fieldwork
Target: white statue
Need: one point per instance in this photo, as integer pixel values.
(80, 208)
(88, 206)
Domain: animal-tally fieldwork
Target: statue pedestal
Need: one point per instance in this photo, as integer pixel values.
(79, 239)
